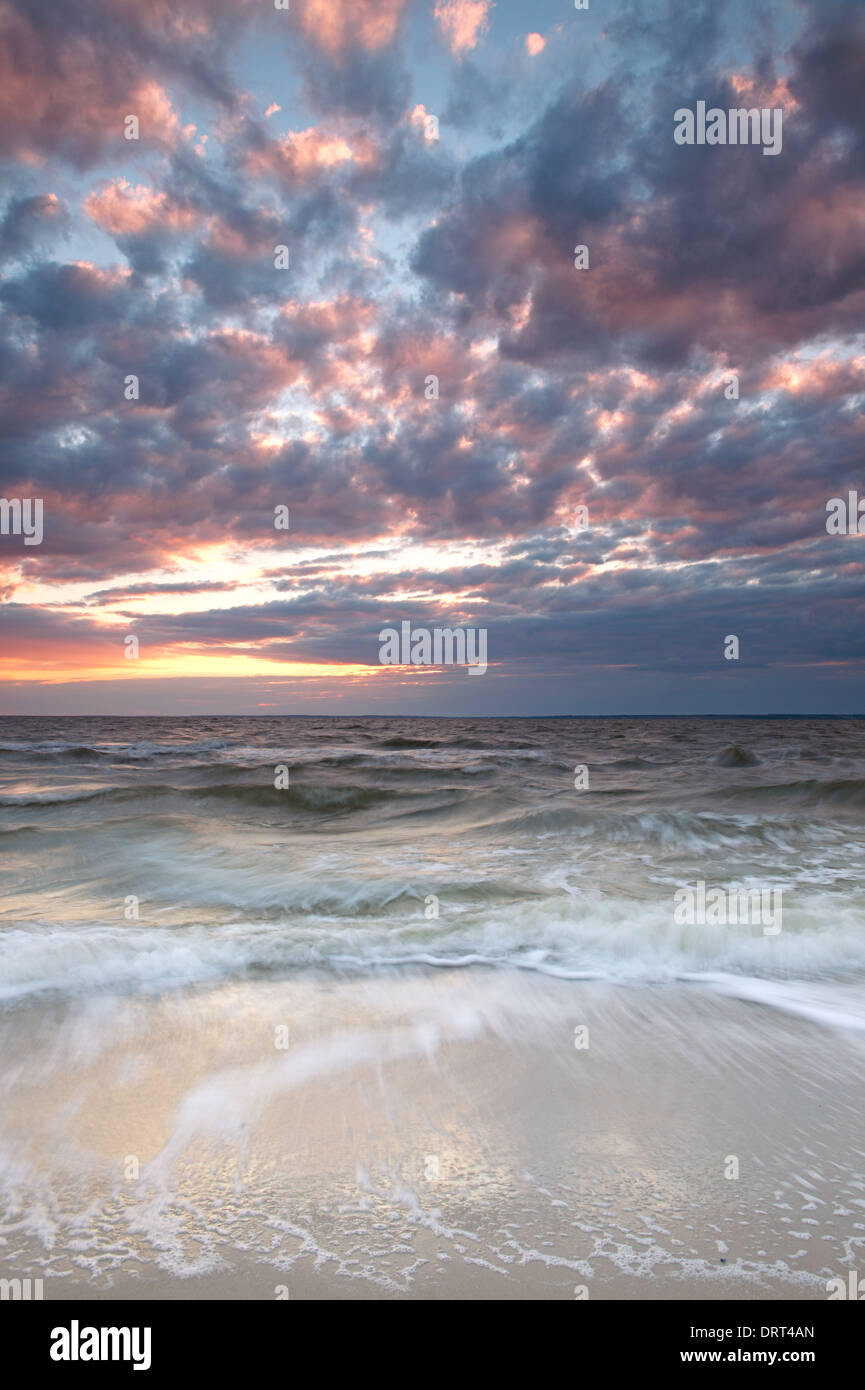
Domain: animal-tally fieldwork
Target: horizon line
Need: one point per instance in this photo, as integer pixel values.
(343, 715)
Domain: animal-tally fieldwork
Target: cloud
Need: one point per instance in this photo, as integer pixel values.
(124, 210)
(413, 258)
(28, 221)
(340, 26)
(303, 156)
(462, 22)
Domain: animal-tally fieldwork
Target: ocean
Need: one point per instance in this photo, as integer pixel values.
(291, 972)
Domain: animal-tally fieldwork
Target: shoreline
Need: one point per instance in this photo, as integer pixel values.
(432, 1136)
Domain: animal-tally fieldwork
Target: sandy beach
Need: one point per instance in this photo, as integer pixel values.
(443, 1138)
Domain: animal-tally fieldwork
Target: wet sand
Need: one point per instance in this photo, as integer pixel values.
(432, 1136)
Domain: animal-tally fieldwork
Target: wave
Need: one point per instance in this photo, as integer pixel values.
(403, 742)
(572, 938)
(140, 751)
(323, 800)
(633, 764)
(306, 798)
(72, 752)
(63, 796)
(674, 830)
(746, 814)
(812, 791)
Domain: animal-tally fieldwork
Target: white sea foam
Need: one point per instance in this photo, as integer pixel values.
(609, 941)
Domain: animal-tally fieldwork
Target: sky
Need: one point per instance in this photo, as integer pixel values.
(336, 273)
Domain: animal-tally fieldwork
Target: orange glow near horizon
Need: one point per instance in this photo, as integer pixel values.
(181, 664)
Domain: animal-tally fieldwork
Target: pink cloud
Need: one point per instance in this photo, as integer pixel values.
(301, 154)
(123, 210)
(339, 25)
(462, 22)
(72, 98)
